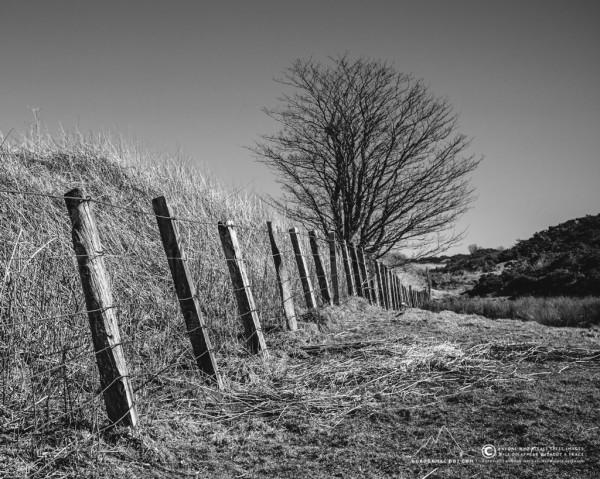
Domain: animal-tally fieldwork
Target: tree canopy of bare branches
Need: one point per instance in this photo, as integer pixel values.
(370, 153)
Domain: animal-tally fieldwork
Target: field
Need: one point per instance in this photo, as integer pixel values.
(556, 311)
(359, 392)
(356, 392)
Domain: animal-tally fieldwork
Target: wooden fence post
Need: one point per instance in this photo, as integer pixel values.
(371, 280)
(394, 284)
(309, 295)
(383, 283)
(321, 276)
(390, 288)
(386, 278)
(241, 286)
(283, 280)
(399, 293)
(380, 286)
(405, 296)
(358, 284)
(362, 265)
(411, 296)
(428, 283)
(186, 292)
(335, 284)
(114, 376)
(348, 269)
(386, 290)
(373, 283)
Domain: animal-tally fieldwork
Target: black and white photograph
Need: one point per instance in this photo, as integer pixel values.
(299, 239)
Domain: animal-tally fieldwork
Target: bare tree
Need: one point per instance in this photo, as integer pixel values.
(371, 153)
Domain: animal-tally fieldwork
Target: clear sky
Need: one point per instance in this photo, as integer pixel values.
(524, 76)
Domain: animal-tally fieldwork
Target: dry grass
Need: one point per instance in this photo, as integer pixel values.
(48, 373)
(558, 311)
(346, 365)
(355, 393)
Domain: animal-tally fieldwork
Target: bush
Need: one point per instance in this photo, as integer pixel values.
(488, 284)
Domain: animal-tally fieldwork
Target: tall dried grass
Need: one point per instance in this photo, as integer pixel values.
(48, 371)
(557, 311)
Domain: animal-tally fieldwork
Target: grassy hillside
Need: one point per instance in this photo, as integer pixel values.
(48, 374)
(36, 239)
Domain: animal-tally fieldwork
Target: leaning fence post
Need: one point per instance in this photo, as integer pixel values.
(386, 286)
(356, 269)
(309, 295)
(400, 298)
(241, 286)
(335, 284)
(393, 290)
(114, 376)
(348, 269)
(382, 284)
(379, 284)
(362, 265)
(186, 291)
(390, 288)
(399, 292)
(405, 296)
(373, 283)
(283, 280)
(372, 279)
(321, 276)
(428, 283)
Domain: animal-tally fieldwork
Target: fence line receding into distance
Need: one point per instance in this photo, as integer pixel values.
(262, 292)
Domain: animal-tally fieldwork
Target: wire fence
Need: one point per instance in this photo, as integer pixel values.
(49, 360)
